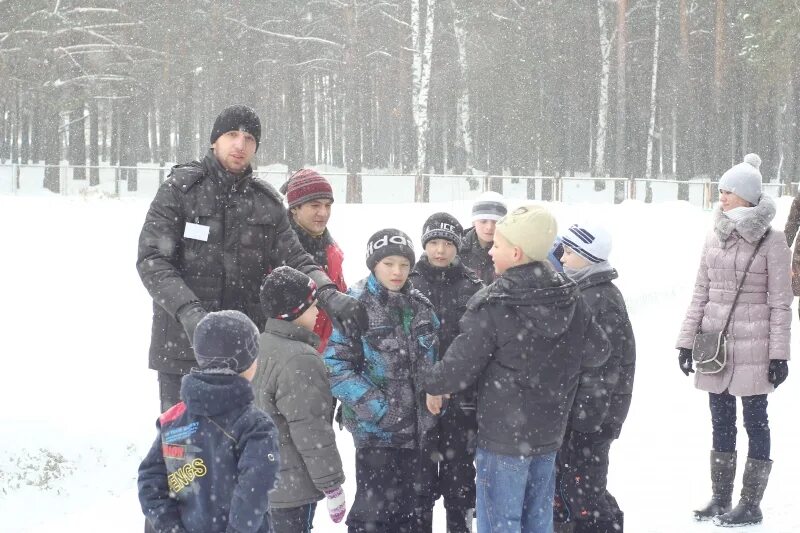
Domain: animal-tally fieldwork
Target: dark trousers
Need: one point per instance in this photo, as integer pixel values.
(293, 519)
(756, 423)
(456, 480)
(385, 495)
(169, 389)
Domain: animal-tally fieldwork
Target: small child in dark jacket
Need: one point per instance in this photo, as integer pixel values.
(448, 284)
(375, 378)
(291, 385)
(216, 455)
(532, 346)
(581, 494)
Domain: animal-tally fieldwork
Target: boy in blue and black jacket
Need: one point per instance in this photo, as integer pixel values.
(216, 456)
(375, 378)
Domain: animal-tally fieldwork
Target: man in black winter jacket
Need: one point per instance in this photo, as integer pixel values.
(530, 343)
(448, 284)
(212, 233)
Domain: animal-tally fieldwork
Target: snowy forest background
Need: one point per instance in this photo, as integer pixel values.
(626, 88)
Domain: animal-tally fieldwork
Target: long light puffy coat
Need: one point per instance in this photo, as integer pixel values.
(760, 326)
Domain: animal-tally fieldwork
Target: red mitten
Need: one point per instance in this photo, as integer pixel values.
(336, 503)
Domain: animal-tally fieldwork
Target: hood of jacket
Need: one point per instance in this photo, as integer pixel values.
(545, 298)
(213, 394)
(751, 227)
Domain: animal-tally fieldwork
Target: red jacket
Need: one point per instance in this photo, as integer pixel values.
(324, 326)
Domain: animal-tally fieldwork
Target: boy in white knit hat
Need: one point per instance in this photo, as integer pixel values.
(526, 340)
(582, 463)
(486, 211)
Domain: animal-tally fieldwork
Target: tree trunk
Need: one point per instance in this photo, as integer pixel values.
(621, 136)
(464, 111)
(77, 142)
(422, 44)
(351, 122)
(648, 173)
(52, 146)
(94, 153)
(602, 97)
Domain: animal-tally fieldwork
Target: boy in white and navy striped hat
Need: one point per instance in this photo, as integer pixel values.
(582, 463)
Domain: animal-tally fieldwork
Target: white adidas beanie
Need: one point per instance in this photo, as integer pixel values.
(590, 241)
(744, 179)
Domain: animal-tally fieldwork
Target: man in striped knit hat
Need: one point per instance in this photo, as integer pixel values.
(310, 198)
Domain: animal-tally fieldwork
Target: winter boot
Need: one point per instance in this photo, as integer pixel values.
(754, 482)
(723, 472)
(459, 520)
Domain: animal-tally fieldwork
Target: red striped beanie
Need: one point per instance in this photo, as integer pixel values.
(306, 185)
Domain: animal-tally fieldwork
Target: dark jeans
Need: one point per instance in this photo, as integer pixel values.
(169, 389)
(293, 519)
(756, 423)
(385, 497)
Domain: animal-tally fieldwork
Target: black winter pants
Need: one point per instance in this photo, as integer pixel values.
(293, 519)
(457, 430)
(385, 497)
(169, 389)
(756, 423)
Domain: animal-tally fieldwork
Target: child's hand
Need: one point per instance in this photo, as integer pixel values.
(336, 503)
(434, 404)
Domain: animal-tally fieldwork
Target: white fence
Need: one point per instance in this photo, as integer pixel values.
(386, 187)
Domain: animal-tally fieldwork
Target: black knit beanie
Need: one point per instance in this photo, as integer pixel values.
(237, 118)
(287, 293)
(225, 341)
(388, 242)
(442, 226)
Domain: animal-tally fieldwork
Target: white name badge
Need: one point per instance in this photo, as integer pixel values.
(197, 232)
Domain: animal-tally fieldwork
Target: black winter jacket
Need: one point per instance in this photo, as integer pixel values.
(477, 258)
(249, 235)
(448, 289)
(530, 342)
(606, 302)
(214, 461)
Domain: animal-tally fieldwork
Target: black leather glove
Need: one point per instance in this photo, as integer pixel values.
(348, 314)
(685, 360)
(778, 371)
(189, 316)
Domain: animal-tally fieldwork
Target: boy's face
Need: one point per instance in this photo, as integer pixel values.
(572, 260)
(392, 272)
(440, 252)
(484, 229)
(504, 254)
(313, 216)
(309, 318)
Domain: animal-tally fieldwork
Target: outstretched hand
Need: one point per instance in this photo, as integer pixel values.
(347, 314)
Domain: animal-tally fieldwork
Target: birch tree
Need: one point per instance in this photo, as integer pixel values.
(606, 38)
(463, 101)
(422, 45)
(653, 86)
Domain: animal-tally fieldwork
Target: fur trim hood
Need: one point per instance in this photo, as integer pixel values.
(752, 227)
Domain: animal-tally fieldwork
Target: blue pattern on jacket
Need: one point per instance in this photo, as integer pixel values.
(375, 376)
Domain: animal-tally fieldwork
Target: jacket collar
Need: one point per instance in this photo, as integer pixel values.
(218, 173)
(451, 272)
(288, 330)
(213, 394)
(598, 278)
(752, 227)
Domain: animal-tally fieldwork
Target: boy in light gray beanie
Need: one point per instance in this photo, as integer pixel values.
(744, 180)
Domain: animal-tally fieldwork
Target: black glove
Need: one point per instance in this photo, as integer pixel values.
(685, 360)
(348, 314)
(778, 371)
(189, 316)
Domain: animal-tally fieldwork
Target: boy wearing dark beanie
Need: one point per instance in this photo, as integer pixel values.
(448, 284)
(529, 341)
(310, 199)
(375, 378)
(292, 386)
(216, 455)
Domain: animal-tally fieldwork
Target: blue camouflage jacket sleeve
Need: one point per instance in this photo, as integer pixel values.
(344, 358)
(258, 468)
(160, 509)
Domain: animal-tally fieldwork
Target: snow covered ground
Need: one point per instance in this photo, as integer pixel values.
(79, 404)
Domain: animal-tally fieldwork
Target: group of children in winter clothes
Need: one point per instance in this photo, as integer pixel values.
(504, 364)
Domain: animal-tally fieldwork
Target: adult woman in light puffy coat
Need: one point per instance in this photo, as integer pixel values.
(758, 336)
